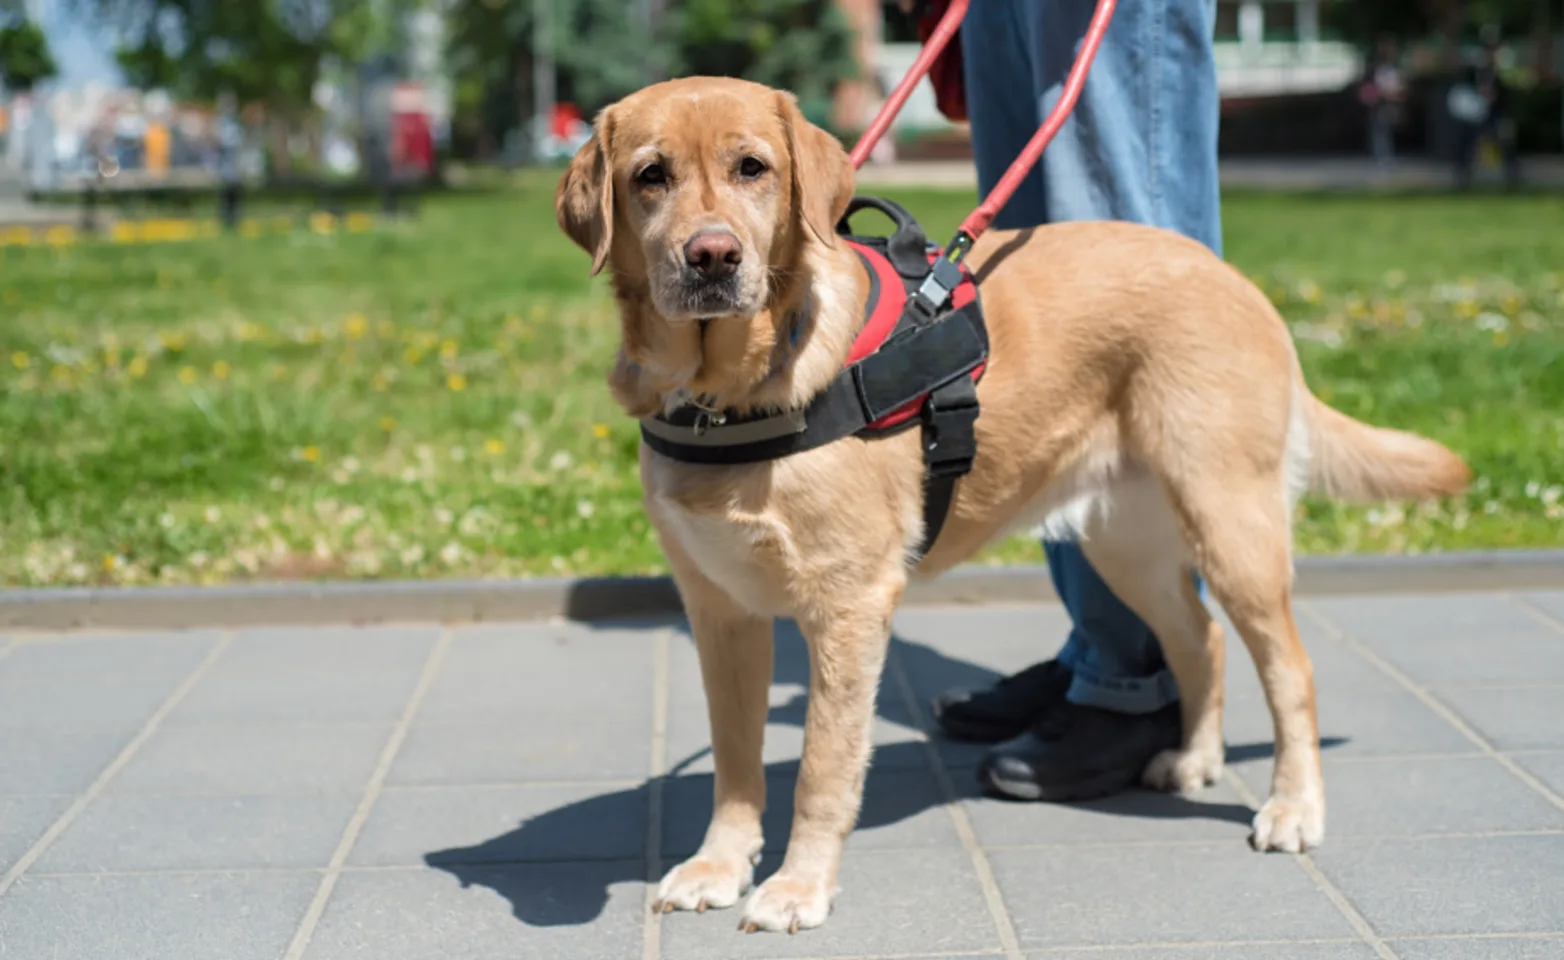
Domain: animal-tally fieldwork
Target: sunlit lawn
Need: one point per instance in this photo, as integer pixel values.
(427, 399)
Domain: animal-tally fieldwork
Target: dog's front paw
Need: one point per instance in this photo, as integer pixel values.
(1293, 825)
(1183, 771)
(702, 881)
(788, 903)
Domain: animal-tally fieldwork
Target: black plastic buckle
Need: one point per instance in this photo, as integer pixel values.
(949, 437)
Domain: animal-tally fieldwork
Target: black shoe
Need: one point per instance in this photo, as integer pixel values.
(1004, 710)
(1079, 753)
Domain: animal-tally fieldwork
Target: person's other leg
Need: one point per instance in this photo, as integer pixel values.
(998, 70)
(1139, 146)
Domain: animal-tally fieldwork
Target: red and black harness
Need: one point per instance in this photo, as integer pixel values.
(915, 362)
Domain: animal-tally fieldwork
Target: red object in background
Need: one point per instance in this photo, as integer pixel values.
(412, 142)
(950, 87)
(564, 121)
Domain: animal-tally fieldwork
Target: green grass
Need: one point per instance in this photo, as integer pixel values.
(427, 399)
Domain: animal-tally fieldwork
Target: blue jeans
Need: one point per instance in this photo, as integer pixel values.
(1141, 145)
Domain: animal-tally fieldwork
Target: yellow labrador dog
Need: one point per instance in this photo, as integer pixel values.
(1141, 395)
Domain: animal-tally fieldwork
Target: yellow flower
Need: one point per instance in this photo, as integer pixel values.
(110, 562)
(412, 354)
(493, 447)
(456, 382)
(388, 424)
(448, 349)
(600, 431)
(355, 326)
(310, 454)
(172, 341)
(20, 360)
(111, 356)
(187, 375)
(221, 369)
(138, 366)
(250, 331)
(379, 382)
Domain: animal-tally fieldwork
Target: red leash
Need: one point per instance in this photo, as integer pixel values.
(978, 220)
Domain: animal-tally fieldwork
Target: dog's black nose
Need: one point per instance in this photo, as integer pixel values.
(714, 254)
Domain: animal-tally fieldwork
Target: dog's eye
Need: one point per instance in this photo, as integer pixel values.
(652, 175)
(750, 168)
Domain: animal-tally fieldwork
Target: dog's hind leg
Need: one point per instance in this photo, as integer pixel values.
(847, 637)
(1136, 546)
(736, 661)
(1240, 531)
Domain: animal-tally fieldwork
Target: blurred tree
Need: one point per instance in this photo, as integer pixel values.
(24, 53)
(605, 49)
(805, 46)
(270, 51)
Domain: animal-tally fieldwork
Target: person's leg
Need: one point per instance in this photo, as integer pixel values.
(1139, 146)
(1126, 153)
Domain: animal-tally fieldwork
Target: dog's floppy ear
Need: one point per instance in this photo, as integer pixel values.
(822, 173)
(584, 202)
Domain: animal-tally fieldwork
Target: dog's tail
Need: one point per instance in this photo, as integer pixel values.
(1350, 460)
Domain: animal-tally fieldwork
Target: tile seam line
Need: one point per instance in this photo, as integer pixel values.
(128, 752)
(999, 913)
(1433, 703)
(1338, 899)
(372, 790)
(652, 921)
(1536, 612)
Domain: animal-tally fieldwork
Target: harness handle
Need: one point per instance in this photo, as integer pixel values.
(907, 247)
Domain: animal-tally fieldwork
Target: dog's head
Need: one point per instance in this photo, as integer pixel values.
(703, 191)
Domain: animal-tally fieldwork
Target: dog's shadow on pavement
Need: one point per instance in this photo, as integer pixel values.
(559, 867)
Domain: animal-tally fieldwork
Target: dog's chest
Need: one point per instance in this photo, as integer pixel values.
(746, 555)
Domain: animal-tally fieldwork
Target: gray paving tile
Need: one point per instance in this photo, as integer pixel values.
(1410, 888)
(311, 674)
(22, 821)
(1453, 639)
(1101, 896)
(972, 647)
(557, 675)
(1547, 767)
(1418, 796)
(898, 742)
(126, 833)
(1329, 950)
(1356, 720)
(562, 911)
(901, 809)
(1481, 948)
(604, 747)
(84, 704)
(210, 916)
(503, 824)
(1551, 602)
(1136, 816)
(239, 760)
(175, 652)
(1516, 719)
(892, 902)
(45, 761)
